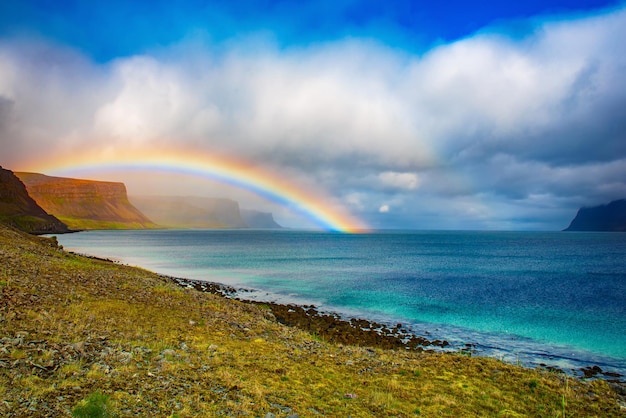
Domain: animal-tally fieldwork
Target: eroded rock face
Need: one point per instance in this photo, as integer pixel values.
(610, 217)
(78, 201)
(19, 209)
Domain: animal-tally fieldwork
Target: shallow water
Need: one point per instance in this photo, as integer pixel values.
(531, 297)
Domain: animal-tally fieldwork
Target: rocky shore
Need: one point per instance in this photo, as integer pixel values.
(361, 332)
(328, 326)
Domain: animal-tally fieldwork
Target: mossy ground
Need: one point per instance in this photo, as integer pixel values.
(71, 327)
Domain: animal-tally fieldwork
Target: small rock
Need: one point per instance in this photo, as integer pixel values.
(192, 322)
(619, 388)
(270, 415)
(125, 357)
(79, 347)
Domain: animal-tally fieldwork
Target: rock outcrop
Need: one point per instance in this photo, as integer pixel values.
(85, 204)
(19, 210)
(610, 217)
(256, 219)
(190, 212)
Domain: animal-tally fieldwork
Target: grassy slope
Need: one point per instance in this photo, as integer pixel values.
(70, 326)
(89, 224)
(31, 223)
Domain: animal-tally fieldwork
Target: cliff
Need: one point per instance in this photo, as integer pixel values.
(610, 217)
(85, 204)
(19, 210)
(190, 212)
(256, 219)
(201, 212)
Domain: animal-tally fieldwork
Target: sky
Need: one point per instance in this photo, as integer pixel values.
(406, 114)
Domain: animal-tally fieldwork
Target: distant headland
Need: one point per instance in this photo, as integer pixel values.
(41, 204)
(610, 217)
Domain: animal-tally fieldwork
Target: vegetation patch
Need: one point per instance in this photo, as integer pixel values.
(97, 405)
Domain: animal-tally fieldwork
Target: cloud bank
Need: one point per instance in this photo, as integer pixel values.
(491, 131)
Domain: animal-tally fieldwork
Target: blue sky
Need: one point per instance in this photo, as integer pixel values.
(106, 30)
(434, 115)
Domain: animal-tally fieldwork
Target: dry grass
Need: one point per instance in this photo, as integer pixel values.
(71, 327)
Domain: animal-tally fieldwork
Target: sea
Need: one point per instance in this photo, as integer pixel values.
(539, 299)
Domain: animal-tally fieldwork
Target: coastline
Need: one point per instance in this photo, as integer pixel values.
(532, 344)
(326, 325)
(363, 332)
(355, 331)
(73, 327)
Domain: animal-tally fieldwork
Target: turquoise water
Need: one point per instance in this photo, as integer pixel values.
(534, 297)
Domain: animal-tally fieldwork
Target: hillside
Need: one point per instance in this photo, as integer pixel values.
(610, 217)
(85, 204)
(19, 210)
(87, 333)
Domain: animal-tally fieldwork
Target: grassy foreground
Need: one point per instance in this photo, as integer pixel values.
(78, 334)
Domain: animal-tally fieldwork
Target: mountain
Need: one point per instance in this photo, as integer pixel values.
(200, 212)
(85, 204)
(610, 217)
(19, 210)
(256, 219)
(190, 212)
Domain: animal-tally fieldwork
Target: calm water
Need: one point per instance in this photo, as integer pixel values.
(534, 297)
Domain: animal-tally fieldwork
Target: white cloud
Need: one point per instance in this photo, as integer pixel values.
(402, 181)
(150, 102)
(485, 116)
(383, 209)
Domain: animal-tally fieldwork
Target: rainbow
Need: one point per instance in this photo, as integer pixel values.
(224, 170)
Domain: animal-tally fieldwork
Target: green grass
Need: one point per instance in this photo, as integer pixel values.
(96, 405)
(24, 222)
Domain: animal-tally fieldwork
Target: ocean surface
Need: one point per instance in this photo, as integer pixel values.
(553, 298)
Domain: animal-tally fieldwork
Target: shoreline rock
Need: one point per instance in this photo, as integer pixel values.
(326, 325)
(362, 332)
